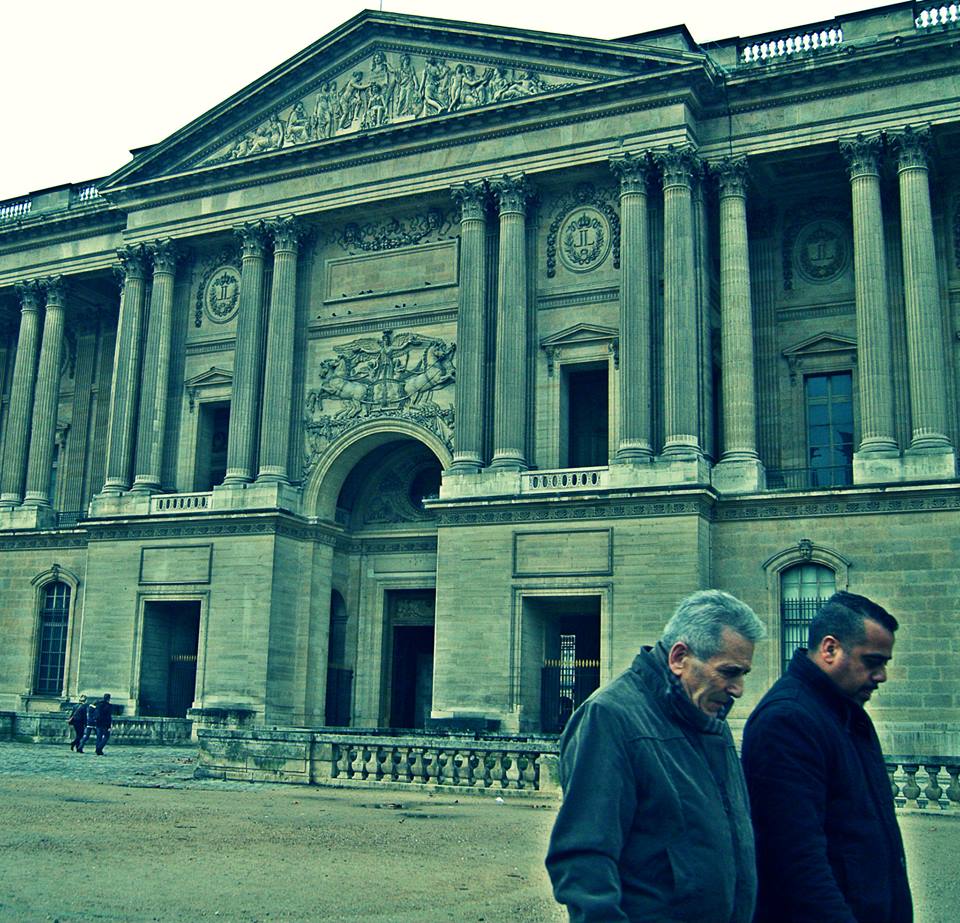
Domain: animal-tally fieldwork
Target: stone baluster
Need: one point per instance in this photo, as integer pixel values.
(927, 371)
(46, 397)
(874, 356)
(635, 442)
(933, 791)
(371, 763)
(16, 443)
(953, 787)
(124, 387)
(278, 371)
(512, 195)
(739, 467)
(680, 390)
(417, 772)
(152, 421)
(471, 324)
(248, 358)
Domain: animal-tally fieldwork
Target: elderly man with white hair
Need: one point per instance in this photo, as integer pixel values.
(655, 823)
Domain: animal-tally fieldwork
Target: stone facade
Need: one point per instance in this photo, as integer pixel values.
(414, 385)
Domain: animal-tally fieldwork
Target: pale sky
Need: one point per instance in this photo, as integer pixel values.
(85, 82)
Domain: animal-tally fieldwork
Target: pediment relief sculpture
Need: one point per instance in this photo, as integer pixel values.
(393, 376)
(388, 88)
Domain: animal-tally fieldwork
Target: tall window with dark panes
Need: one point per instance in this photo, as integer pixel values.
(804, 588)
(829, 405)
(588, 426)
(52, 639)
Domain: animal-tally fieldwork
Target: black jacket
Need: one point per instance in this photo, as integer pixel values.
(828, 843)
(78, 717)
(654, 823)
(104, 715)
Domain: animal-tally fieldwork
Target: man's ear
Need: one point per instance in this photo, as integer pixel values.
(829, 649)
(677, 657)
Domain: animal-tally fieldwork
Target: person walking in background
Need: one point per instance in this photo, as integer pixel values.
(78, 721)
(654, 823)
(90, 725)
(104, 722)
(828, 843)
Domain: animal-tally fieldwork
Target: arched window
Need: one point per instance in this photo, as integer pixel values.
(52, 638)
(804, 588)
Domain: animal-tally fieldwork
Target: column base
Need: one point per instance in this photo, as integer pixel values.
(933, 464)
(259, 495)
(739, 476)
(40, 501)
(487, 482)
(464, 466)
(27, 517)
(125, 503)
(633, 455)
(145, 486)
(509, 463)
(661, 471)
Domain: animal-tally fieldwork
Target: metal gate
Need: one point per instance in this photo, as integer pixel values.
(181, 684)
(564, 685)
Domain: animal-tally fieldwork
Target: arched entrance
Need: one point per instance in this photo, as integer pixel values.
(383, 577)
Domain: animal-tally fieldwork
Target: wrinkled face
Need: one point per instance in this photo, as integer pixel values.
(858, 669)
(712, 683)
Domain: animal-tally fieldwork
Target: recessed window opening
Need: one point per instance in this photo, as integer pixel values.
(52, 641)
(829, 405)
(804, 588)
(587, 411)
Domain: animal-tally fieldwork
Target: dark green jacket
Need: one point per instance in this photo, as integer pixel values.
(654, 823)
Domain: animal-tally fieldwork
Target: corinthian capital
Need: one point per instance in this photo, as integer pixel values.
(133, 262)
(164, 254)
(512, 193)
(472, 197)
(912, 147)
(253, 239)
(287, 232)
(732, 174)
(862, 154)
(678, 163)
(30, 295)
(633, 171)
(56, 290)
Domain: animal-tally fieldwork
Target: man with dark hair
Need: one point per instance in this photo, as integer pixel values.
(104, 722)
(828, 844)
(654, 823)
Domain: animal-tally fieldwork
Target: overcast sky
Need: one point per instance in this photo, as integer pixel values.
(82, 83)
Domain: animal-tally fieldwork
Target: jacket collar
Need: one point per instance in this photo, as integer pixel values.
(802, 668)
(668, 692)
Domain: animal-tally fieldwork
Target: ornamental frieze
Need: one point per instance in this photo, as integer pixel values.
(389, 88)
(392, 377)
(393, 233)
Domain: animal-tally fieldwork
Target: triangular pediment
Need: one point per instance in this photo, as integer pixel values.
(820, 345)
(578, 335)
(210, 378)
(380, 72)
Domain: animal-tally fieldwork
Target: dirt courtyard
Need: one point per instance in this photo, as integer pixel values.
(133, 837)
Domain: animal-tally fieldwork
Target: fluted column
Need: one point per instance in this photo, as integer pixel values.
(928, 404)
(248, 358)
(874, 358)
(156, 369)
(471, 321)
(278, 372)
(635, 442)
(512, 195)
(124, 388)
(46, 397)
(680, 391)
(16, 443)
(736, 315)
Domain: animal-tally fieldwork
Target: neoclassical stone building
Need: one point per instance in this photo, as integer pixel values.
(421, 378)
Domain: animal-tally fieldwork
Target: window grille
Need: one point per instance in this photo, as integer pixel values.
(52, 648)
(804, 588)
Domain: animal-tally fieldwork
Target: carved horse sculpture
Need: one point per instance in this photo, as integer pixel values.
(434, 369)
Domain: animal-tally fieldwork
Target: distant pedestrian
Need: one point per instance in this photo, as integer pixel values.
(78, 721)
(91, 723)
(104, 723)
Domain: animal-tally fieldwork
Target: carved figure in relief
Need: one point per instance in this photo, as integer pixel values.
(406, 94)
(268, 137)
(382, 74)
(433, 85)
(473, 89)
(499, 84)
(326, 113)
(298, 126)
(353, 100)
(376, 108)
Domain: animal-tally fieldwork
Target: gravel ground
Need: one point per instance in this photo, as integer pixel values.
(132, 836)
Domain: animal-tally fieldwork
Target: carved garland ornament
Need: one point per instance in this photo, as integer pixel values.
(394, 233)
(816, 245)
(584, 231)
(390, 377)
(218, 292)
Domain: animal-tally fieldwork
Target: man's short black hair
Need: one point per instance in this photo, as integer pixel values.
(842, 616)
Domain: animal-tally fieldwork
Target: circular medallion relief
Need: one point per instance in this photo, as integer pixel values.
(221, 295)
(584, 239)
(821, 252)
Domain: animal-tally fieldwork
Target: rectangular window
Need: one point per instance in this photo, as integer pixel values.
(829, 406)
(588, 425)
(212, 431)
(52, 642)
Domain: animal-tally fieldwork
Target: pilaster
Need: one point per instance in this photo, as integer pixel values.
(16, 443)
(512, 195)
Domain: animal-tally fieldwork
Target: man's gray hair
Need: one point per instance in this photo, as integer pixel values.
(701, 617)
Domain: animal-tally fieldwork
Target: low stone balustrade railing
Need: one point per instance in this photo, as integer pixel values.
(925, 783)
(940, 14)
(180, 503)
(497, 765)
(774, 48)
(563, 479)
